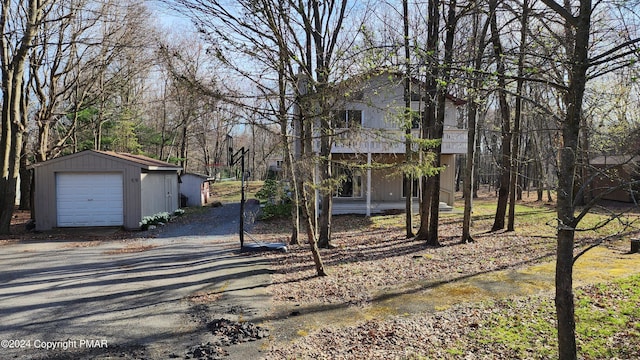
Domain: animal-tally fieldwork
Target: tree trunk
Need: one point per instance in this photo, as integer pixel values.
(434, 218)
(476, 157)
(326, 186)
(325, 39)
(515, 161)
(567, 171)
(505, 160)
(429, 121)
(13, 126)
(292, 163)
(445, 76)
(313, 244)
(324, 236)
(564, 260)
(295, 162)
(10, 146)
(25, 181)
(408, 178)
(468, 174)
(467, 191)
(425, 211)
(564, 295)
(184, 148)
(10, 149)
(540, 175)
(311, 234)
(306, 158)
(295, 213)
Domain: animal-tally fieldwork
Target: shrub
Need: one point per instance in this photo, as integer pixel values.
(269, 190)
(156, 219)
(178, 212)
(269, 210)
(276, 199)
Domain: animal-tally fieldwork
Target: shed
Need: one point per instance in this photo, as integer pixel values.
(615, 178)
(102, 188)
(195, 188)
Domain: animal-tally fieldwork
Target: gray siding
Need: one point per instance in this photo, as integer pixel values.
(383, 104)
(385, 186)
(159, 192)
(45, 190)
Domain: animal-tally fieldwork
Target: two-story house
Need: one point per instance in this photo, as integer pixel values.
(368, 131)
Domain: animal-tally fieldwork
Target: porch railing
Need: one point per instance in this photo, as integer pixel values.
(454, 141)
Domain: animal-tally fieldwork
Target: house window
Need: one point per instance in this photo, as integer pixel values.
(347, 119)
(279, 164)
(414, 189)
(350, 182)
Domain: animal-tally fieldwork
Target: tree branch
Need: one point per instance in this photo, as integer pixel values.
(596, 59)
(561, 11)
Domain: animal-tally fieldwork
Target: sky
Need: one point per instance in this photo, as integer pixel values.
(169, 18)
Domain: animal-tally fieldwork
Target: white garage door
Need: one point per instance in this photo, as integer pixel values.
(94, 199)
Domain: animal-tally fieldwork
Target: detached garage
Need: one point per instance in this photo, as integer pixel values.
(100, 188)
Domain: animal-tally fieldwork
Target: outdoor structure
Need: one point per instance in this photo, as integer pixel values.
(100, 188)
(195, 188)
(614, 178)
(274, 166)
(368, 130)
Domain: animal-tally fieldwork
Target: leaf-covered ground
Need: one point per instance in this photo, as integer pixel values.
(522, 328)
(372, 257)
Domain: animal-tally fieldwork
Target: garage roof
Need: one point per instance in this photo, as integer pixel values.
(145, 161)
(142, 161)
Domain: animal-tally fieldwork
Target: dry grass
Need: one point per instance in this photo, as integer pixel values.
(229, 191)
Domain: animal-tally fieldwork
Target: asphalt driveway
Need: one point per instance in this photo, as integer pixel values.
(147, 298)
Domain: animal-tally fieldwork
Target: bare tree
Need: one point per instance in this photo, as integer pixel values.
(408, 79)
(322, 22)
(105, 83)
(577, 20)
(515, 150)
(51, 64)
(479, 44)
(19, 24)
(429, 120)
(279, 25)
(505, 116)
(184, 60)
(437, 85)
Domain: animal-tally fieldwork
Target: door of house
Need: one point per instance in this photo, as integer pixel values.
(170, 200)
(350, 184)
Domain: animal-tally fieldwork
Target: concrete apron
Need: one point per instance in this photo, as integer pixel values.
(598, 265)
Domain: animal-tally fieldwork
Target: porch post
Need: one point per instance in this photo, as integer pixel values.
(369, 180)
